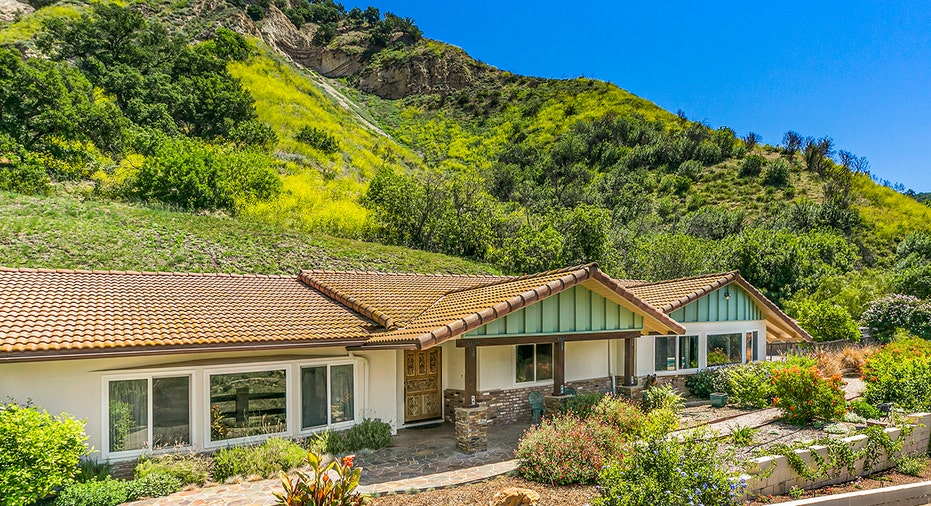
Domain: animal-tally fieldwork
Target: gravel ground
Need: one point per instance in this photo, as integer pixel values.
(481, 493)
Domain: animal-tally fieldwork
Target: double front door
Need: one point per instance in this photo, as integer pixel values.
(422, 393)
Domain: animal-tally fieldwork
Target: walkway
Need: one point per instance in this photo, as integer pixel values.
(421, 458)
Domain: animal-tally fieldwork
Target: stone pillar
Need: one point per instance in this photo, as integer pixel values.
(554, 403)
(472, 429)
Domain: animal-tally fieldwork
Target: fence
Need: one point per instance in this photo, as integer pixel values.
(801, 348)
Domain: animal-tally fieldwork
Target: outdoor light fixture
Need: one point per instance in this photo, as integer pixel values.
(727, 295)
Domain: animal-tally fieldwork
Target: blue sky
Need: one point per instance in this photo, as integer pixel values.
(859, 72)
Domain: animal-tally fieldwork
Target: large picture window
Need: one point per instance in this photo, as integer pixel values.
(724, 349)
(534, 362)
(130, 403)
(327, 395)
(248, 404)
(675, 352)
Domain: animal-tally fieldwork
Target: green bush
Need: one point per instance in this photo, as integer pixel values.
(777, 173)
(153, 484)
(804, 395)
(663, 469)
(864, 409)
(751, 385)
(583, 404)
(38, 452)
(751, 166)
(320, 139)
(371, 434)
(194, 175)
(108, 492)
(20, 170)
(892, 312)
(912, 465)
(707, 381)
(826, 321)
(91, 470)
(188, 468)
(900, 373)
(266, 459)
(662, 397)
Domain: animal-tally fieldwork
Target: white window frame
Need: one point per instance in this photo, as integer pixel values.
(677, 370)
(356, 394)
(148, 376)
(535, 381)
(754, 327)
(287, 367)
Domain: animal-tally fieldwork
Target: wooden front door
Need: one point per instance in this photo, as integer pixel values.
(422, 394)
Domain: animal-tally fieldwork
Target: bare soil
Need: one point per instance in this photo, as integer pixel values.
(482, 492)
(879, 480)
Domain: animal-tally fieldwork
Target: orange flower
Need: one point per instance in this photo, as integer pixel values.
(348, 460)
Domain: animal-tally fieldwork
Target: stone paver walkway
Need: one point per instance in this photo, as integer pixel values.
(421, 458)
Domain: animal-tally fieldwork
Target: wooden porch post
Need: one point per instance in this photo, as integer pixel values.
(630, 374)
(559, 366)
(471, 375)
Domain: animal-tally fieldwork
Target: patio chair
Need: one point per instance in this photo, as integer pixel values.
(570, 391)
(537, 410)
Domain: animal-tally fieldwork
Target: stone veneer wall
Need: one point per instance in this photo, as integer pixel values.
(772, 475)
(507, 406)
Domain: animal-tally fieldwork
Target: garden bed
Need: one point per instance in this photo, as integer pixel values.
(482, 492)
(878, 480)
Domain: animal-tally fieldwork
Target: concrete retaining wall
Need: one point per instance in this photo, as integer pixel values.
(912, 494)
(772, 475)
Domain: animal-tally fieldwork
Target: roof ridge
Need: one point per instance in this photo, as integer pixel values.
(349, 301)
(684, 278)
(42, 270)
(394, 273)
(523, 277)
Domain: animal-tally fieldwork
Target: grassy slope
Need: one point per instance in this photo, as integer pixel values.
(62, 232)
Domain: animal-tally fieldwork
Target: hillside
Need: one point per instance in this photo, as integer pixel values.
(304, 119)
(66, 233)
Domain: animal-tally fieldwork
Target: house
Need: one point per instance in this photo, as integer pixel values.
(154, 360)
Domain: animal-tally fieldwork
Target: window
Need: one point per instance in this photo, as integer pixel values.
(131, 403)
(248, 404)
(534, 362)
(327, 401)
(688, 352)
(750, 347)
(724, 349)
(667, 357)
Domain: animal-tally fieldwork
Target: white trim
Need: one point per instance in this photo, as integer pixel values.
(535, 382)
(703, 330)
(208, 372)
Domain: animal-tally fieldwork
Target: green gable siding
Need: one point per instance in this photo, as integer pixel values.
(715, 308)
(577, 309)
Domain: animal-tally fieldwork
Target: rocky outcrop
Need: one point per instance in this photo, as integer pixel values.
(9, 9)
(443, 73)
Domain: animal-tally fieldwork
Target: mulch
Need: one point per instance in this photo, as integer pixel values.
(482, 492)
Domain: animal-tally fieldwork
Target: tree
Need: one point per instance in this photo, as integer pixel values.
(791, 142)
(751, 140)
(826, 321)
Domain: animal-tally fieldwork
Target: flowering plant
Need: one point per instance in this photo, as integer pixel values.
(330, 485)
(803, 395)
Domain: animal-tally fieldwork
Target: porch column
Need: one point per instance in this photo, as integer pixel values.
(559, 367)
(471, 375)
(630, 372)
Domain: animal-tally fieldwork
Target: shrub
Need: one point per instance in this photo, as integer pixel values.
(886, 315)
(371, 434)
(672, 184)
(583, 404)
(255, 12)
(707, 381)
(564, 449)
(900, 373)
(777, 173)
(662, 397)
(751, 166)
(264, 460)
(829, 363)
(826, 321)
(912, 465)
(20, 170)
(751, 385)
(38, 452)
(690, 169)
(320, 488)
(853, 359)
(864, 409)
(804, 395)
(318, 138)
(153, 485)
(742, 435)
(108, 492)
(91, 469)
(671, 470)
(189, 469)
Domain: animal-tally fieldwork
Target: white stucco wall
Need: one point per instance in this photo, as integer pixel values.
(496, 364)
(453, 365)
(586, 360)
(79, 387)
(645, 344)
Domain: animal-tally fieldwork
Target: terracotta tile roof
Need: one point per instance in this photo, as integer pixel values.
(391, 299)
(60, 312)
(670, 295)
(461, 311)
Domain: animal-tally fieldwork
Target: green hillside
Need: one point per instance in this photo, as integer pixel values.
(67, 233)
(261, 131)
